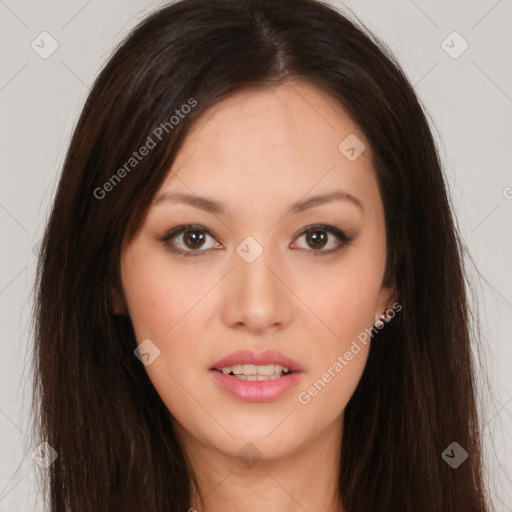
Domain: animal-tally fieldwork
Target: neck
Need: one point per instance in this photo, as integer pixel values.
(305, 479)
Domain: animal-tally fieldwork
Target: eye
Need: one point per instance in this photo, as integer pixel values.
(317, 237)
(188, 240)
(192, 240)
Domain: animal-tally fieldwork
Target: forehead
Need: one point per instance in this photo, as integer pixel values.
(290, 113)
(287, 138)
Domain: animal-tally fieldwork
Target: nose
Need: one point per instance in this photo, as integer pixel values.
(256, 296)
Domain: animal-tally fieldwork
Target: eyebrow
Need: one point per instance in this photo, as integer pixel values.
(216, 207)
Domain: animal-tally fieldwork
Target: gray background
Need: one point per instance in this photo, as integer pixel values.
(469, 100)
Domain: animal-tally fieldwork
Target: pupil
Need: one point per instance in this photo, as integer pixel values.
(317, 238)
(195, 237)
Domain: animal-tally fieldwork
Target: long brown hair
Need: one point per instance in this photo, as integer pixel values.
(95, 403)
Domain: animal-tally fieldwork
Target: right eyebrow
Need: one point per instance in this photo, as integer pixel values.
(216, 207)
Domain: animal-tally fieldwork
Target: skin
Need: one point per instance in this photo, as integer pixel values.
(260, 151)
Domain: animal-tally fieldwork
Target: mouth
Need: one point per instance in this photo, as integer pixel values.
(246, 363)
(256, 376)
(251, 372)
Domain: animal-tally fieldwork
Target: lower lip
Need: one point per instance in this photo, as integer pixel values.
(256, 390)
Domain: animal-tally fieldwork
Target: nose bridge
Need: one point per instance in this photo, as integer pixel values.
(253, 264)
(255, 296)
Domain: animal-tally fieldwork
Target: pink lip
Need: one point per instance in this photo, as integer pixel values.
(250, 357)
(256, 390)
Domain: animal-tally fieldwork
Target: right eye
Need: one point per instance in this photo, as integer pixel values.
(188, 239)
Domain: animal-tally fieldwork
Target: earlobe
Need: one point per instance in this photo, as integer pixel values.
(387, 305)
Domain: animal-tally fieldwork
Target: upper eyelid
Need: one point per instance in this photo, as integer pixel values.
(190, 227)
(179, 230)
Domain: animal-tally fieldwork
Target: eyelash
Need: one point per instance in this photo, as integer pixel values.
(340, 235)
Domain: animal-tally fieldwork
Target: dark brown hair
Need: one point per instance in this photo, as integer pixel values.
(95, 403)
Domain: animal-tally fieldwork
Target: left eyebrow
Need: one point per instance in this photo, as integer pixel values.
(216, 207)
(336, 195)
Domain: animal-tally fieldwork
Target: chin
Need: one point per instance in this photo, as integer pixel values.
(256, 443)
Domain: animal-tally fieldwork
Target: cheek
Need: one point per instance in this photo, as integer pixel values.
(344, 308)
(343, 299)
(157, 298)
(163, 307)
(167, 306)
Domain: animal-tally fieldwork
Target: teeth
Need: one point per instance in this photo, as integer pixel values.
(256, 372)
(258, 377)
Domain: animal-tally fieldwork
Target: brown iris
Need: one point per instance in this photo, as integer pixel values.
(316, 239)
(195, 237)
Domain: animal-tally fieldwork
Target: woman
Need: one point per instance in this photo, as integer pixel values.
(250, 293)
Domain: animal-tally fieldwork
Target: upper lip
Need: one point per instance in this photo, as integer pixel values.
(257, 358)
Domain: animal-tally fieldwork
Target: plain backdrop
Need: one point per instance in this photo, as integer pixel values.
(466, 91)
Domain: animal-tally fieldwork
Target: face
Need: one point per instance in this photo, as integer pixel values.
(261, 266)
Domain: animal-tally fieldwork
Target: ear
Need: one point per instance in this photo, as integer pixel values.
(388, 296)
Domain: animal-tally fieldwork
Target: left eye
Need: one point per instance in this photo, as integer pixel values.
(317, 237)
(190, 240)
